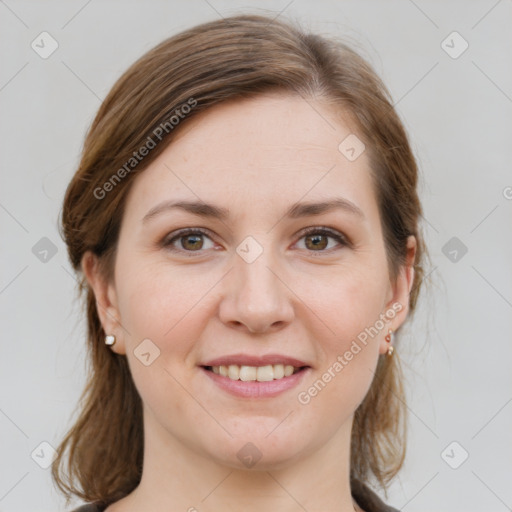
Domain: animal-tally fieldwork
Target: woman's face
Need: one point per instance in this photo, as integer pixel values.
(269, 280)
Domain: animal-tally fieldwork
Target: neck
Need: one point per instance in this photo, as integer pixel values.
(177, 477)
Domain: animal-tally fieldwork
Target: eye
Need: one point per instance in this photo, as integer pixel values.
(188, 240)
(192, 240)
(317, 239)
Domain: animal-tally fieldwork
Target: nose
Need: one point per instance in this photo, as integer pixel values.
(256, 299)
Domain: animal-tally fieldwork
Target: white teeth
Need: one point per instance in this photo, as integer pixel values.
(288, 370)
(247, 373)
(255, 373)
(279, 371)
(265, 373)
(233, 371)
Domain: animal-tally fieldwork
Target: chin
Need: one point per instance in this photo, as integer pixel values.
(261, 449)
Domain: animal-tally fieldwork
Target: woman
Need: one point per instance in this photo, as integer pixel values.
(245, 224)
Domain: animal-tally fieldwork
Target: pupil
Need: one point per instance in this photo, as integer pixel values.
(316, 242)
(194, 245)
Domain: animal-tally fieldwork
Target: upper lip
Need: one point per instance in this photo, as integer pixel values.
(248, 360)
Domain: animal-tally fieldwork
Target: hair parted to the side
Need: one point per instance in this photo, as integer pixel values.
(100, 458)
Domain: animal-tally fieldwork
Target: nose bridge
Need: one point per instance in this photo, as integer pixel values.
(256, 296)
(255, 279)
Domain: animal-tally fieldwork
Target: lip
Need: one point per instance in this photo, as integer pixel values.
(255, 389)
(248, 360)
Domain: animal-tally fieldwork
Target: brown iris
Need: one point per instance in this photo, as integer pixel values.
(317, 243)
(197, 242)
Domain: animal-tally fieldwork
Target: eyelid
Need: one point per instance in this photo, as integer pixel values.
(327, 231)
(176, 235)
(340, 237)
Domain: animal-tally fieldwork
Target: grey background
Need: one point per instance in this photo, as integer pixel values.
(457, 353)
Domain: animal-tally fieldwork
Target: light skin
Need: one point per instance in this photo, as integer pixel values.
(256, 157)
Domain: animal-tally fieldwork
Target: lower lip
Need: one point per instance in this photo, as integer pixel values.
(255, 389)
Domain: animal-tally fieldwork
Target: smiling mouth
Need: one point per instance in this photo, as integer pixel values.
(255, 373)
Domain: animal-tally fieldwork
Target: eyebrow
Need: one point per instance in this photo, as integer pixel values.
(297, 210)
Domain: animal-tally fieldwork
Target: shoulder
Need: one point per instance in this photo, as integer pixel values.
(90, 507)
(367, 499)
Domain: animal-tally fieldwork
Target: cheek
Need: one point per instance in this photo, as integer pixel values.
(353, 316)
(162, 305)
(155, 300)
(155, 306)
(348, 300)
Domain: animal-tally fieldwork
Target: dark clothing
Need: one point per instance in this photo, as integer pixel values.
(368, 500)
(362, 494)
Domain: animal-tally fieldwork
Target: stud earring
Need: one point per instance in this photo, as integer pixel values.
(389, 340)
(110, 339)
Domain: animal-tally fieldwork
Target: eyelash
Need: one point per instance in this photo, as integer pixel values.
(320, 230)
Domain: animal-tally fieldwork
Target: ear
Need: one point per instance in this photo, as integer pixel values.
(400, 291)
(106, 300)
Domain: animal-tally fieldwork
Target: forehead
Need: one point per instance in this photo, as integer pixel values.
(281, 124)
(270, 150)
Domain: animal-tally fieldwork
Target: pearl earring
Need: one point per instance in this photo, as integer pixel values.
(110, 339)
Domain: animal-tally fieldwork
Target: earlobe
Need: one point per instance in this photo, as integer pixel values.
(106, 299)
(399, 303)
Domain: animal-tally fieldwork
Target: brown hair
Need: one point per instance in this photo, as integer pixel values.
(204, 66)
